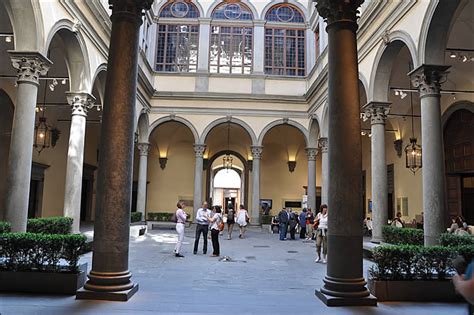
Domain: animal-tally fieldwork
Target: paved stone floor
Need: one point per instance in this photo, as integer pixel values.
(267, 276)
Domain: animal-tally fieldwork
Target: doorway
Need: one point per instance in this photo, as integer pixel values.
(226, 185)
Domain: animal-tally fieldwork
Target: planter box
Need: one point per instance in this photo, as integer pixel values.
(414, 290)
(43, 282)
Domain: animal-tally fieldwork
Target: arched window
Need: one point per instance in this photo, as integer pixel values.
(285, 41)
(231, 39)
(178, 37)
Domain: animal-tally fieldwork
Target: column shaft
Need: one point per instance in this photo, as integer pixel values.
(323, 143)
(312, 153)
(142, 178)
(255, 211)
(259, 47)
(30, 66)
(199, 150)
(204, 38)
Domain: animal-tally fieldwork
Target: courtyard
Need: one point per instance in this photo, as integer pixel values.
(264, 276)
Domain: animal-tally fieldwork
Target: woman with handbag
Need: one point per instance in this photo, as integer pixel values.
(216, 227)
(321, 233)
(180, 223)
(242, 220)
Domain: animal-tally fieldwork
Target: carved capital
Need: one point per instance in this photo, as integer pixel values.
(256, 151)
(199, 149)
(428, 79)
(29, 65)
(323, 144)
(130, 7)
(312, 153)
(376, 111)
(143, 148)
(338, 10)
(80, 102)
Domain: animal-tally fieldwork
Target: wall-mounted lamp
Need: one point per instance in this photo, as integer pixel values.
(250, 165)
(291, 166)
(205, 163)
(398, 145)
(163, 161)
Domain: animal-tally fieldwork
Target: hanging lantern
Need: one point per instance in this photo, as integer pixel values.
(228, 161)
(42, 138)
(413, 156)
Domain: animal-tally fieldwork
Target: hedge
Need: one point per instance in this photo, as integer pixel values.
(400, 236)
(40, 252)
(163, 216)
(409, 262)
(51, 225)
(266, 219)
(135, 217)
(454, 240)
(5, 227)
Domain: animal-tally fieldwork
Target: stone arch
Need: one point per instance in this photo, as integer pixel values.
(314, 131)
(99, 78)
(142, 127)
(246, 2)
(382, 68)
(159, 5)
(434, 36)
(27, 24)
(364, 83)
(223, 120)
(297, 4)
(181, 120)
(324, 121)
(76, 55)
(284, 121)
(463, 104)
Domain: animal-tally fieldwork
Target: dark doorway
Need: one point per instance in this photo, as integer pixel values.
(85, 186)
(391, 191)
(468, 199)
(230, 202)
(134, 196)
(33, 202)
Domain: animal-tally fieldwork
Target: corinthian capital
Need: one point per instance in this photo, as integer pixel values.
(134, 7)
(376, 111)
(80, 102)
(143, 148)
(338, 10)
(311, 153)
(323, 144)
(199, 149)
(29, 65)
(256, 151)
(428, 78)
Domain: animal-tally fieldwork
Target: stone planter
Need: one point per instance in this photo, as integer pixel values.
(43, 282)
(414, 290)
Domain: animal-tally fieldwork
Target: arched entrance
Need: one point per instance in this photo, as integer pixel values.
(459, 161)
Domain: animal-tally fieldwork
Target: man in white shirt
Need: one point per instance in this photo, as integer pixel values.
(202, 227)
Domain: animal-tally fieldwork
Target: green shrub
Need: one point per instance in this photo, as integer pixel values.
(42, 252)
(467, 251)
(51, 225)
(136, 217)
(399, 236)
(266, 219)
(408, 262)
(5, 227)
(454, 240)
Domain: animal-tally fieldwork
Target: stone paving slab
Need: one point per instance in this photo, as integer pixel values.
(266, 276)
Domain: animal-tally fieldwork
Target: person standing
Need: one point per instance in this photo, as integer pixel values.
(293, 223)
(309, 224)
(180, 224)
(321, 233)
(202, 226)
(302, 219)
(284, 218)
(230, 222)
(242, 219)
(216, 221)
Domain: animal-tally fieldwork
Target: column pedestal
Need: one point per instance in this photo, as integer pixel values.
(199, 149)
(30, 66)
(312, 153)
(79, 103)
(143, 149)
(344, 284)
(428, 79)
(377, 113)
(110, 277)
(323, 145)
(255, 211)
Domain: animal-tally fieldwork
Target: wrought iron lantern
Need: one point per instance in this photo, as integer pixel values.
(42, 138)
(228, 160)
(413, 156)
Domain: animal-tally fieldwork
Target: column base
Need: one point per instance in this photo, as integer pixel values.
(330, 300)
(123, 296)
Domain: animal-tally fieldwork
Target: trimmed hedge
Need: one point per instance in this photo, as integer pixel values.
(401, 236)
(163, 216)
(51, 225)
(454, 240)
(135, 217)
(266, 219)
(40, 252)
(409, 262)
(5, 227)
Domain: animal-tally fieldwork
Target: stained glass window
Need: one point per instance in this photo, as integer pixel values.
(285, 43)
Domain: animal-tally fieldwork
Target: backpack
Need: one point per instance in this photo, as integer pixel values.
(230, 214)
(174, 218)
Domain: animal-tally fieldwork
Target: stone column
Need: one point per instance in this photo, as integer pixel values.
(199, 149)
(344, 283)
(377, 113)
(204, 39)
(30, 65)
(143, 149)
(323, 145)
(79, 103)
(312, 153)
(258, 46)
(428, 80)
(109, 278)
(255, 210)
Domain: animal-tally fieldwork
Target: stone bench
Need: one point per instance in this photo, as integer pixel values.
(163, 225)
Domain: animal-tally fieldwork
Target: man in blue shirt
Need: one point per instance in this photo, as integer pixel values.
(302, 221)
(202, 227)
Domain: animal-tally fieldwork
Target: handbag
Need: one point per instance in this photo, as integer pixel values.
(221, 226)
